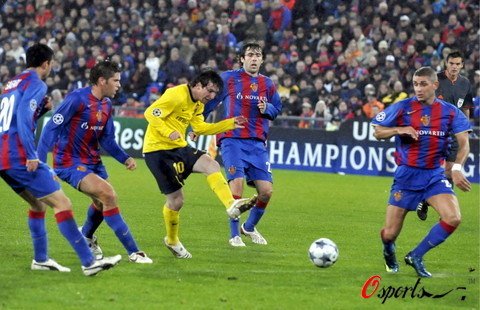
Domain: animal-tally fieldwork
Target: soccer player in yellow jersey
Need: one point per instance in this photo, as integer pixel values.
(171, 160)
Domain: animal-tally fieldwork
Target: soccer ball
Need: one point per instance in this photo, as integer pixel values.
(323, 252)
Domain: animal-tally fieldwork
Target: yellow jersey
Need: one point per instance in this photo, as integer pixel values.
(174, 111)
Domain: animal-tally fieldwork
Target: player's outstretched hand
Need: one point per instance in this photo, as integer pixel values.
(239, 121)
(460, 181)
(131, 164)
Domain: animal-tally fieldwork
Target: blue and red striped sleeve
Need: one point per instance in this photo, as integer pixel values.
(59, 122)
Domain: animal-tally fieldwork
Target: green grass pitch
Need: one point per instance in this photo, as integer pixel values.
(349, 210)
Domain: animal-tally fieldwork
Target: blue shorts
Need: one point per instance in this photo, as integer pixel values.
(412, 185)
(73, 175)
(246, 158)
(40, 183)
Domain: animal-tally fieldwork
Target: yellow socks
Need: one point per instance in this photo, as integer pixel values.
(219, 186)
(171, 219)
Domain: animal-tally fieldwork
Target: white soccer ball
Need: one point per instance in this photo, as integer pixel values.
(323, 252)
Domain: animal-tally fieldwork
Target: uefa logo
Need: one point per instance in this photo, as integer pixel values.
(57, 119)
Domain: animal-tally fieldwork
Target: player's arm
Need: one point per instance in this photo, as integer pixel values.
(156, 114)
(26, 123)
(468, 102)
(382, 132)
(461, 127)
(458, 178)
(55, 125)
(201, 128)
(107, 141)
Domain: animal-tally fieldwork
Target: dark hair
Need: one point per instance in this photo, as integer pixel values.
(249, 45)
(37, 54)
(206, 77)
(455, 54)
(105, 69)
(428, 72)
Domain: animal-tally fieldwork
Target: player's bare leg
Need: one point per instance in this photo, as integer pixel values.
(101, 191)
(393, 225)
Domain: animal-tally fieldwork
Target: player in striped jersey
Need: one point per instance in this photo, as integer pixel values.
(457, 90)
(421, 126)
(244, 151)
(81, 124)
(22, 102)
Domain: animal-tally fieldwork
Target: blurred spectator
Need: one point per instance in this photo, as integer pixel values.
(307, 112)
(301, 72)
(140, 80)
(321, 111)
(225, 40)
(5, 75)
(153, 65)
(286, 86)
(42, 16)
(279, 19)
(176, 67)
(319, 90)
(368, 52)
(306, 90)
(57, 98)
(154, 94)
(350, 91)
(240, 25)
(129, 108)
(344, 111)
(187, 49)
(334, 124)
(404, 25)
(397, 94)
(372, 106)
(202, 53)
(453, 27)
(258, 30)
(291, 106)
(352, 51)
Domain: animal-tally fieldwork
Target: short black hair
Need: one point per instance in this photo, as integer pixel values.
(249, 45)
(455, 54)
(105, 69)
(206, 77)
(37, 54)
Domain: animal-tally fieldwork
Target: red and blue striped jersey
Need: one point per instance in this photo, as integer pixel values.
(433, 124)
(21, 104)
(240, 95)
(81, 124)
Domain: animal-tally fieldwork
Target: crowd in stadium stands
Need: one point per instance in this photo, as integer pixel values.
(330, 59)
